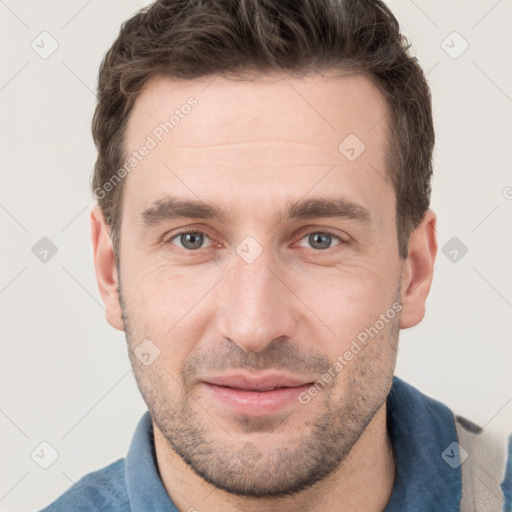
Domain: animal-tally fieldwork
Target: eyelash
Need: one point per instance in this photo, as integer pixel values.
(198, 232)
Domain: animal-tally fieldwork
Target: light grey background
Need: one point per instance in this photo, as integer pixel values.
(65, 374)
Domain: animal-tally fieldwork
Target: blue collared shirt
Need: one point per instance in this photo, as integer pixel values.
(420, 429)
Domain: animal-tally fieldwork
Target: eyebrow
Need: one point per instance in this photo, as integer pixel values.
(169, 208)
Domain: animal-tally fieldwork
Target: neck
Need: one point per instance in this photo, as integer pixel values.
(369, 465)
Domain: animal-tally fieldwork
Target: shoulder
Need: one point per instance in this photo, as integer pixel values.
(486, 467)
(104, 489)
(462, 459)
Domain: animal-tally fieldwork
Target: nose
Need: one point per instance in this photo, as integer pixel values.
(257, 307)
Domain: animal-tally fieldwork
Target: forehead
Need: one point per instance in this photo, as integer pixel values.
(265, 139)
(321, 106)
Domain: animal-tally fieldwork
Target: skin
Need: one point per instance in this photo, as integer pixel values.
(251, 147)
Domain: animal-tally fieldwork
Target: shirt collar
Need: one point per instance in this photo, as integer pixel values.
(144, 485)
(421, 429)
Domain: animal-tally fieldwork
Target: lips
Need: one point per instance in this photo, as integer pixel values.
(254, 396)
(265, 383)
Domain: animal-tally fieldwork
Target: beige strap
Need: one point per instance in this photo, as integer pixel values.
(484, 468)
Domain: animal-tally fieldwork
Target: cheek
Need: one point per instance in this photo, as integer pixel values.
(347, 300)
(159, 290)
(169, 309)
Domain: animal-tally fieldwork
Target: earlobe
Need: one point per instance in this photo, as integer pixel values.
(105, 267)
(418, 271)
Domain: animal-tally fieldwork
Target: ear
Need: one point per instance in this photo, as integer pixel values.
(418, 271)
(105, 267)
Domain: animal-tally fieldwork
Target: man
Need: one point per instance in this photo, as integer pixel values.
(262, 234)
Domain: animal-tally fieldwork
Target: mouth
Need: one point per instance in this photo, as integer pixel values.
(255, 396)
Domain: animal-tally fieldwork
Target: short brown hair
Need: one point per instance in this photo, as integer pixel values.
(187, 39)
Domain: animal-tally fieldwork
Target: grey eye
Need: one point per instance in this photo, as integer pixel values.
(321, 241)
(190, 240)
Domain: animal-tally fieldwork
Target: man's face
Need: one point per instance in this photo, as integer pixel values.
(260, 292)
